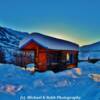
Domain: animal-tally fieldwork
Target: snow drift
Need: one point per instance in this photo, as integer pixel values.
(15, 82)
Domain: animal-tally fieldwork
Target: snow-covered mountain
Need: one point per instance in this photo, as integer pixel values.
(10, 38)
(9, 42)
(91, 47)
(91, 51)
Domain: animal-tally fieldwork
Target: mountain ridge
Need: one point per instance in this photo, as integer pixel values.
(91, 47)
(10, 38)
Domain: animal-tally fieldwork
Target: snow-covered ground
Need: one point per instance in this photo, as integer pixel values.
(18, 84)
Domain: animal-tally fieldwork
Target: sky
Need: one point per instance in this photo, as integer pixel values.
(74, 20)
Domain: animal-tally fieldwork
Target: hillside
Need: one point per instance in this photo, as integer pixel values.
(91, 51)
(10, 38)
(91, 47)
(9, 42)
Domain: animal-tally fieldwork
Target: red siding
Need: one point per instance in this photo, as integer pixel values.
(42, 60)
(30, 46)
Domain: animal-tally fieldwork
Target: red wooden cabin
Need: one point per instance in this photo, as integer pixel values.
(50, 53)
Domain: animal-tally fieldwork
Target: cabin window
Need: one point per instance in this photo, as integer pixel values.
(57, 58)
(32, 54)
(32, 57)
(67, 57)
(29, 55)
(61, 58)
(53, 58)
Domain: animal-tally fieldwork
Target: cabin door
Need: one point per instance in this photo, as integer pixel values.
(42, 61)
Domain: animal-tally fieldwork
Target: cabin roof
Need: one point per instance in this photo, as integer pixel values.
(48, 42)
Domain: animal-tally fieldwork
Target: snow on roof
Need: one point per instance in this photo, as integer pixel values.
(48, 42)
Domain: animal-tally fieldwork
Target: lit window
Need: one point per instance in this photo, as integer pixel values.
(67, 56)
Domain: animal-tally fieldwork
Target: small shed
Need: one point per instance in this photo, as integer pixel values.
(50, 53)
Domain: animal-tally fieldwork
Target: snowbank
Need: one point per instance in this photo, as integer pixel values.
(15, 82)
